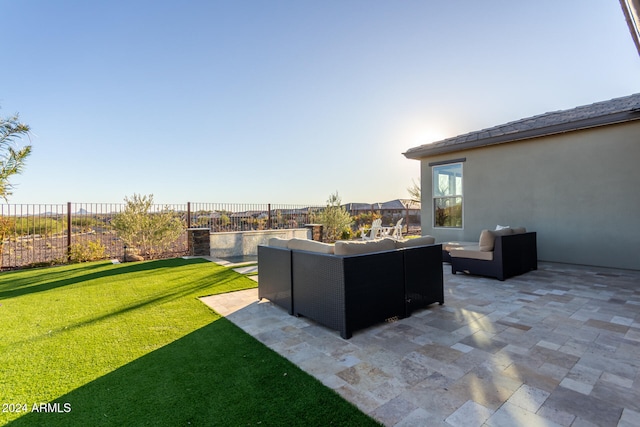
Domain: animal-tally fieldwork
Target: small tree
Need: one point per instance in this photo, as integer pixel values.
(148, 232)
(414, 191)
(335, 219)
(12, 156)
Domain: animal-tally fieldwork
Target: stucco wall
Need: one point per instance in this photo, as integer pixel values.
(243, 243)
(580, 191)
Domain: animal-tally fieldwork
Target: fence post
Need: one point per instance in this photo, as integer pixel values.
(269, 216)
(68, 232)
(188, 214)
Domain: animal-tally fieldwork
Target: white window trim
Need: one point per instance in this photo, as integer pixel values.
(434, 197)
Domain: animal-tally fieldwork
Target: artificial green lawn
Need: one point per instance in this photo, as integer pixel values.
(131, 344)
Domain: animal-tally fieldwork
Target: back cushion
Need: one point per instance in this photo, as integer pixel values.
(310, 245)
(519, 230)
(486, 241)
(503, 232)
(488, 238)
(418, 241)
(278, 242)
(356, 247)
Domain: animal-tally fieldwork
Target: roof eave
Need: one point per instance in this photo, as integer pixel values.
(418, 153)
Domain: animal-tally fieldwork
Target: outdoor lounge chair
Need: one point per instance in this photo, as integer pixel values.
(375, 232)
(507, 254)
(394, 232)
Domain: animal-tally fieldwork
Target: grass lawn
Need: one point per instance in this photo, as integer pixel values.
(130, 344)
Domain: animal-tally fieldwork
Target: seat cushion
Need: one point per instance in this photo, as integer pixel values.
(448, 246)
(473, 252)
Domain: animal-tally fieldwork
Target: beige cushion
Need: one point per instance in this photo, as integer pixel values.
(448, 246)
(488, 238)
(310, 245)
(519, 230)
(278, 242)
(418, 241)
(472, 252)
(355, 247)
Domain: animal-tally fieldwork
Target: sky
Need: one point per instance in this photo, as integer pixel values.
(285, 102)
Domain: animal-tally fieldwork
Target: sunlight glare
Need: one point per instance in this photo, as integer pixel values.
(429, 136)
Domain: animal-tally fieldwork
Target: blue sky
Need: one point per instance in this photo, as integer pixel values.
(285, 101)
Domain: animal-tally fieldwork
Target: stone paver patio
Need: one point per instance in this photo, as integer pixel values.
(559, 346)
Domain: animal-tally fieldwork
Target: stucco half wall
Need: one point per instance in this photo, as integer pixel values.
(580, 191)
(245, 243)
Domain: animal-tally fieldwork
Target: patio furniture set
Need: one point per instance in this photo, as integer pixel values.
(352, 285)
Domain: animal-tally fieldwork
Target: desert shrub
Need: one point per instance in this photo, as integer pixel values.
(146, 231)
(6, 225)
(365, 219)
(335, 219)
(202, 222)
(25, 226)
(89, 251)
(84, 223)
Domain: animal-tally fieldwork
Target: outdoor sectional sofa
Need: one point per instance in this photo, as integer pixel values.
(351, 285)
(499, 253)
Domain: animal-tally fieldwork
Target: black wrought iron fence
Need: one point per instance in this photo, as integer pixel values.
(42, 234)
(221, 217)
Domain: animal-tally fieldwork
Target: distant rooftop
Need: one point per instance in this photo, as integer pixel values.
(617, 110)
(397, 204)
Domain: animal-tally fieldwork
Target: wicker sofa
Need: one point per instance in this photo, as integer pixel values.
(351, 285)
(499, 253)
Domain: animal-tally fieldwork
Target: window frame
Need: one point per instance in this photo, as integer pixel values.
(458, 194)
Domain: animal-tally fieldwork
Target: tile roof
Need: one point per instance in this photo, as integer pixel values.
(617, 110)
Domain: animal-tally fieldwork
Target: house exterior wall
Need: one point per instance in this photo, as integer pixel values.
(580, 191)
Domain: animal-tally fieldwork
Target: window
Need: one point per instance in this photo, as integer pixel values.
(447, 195)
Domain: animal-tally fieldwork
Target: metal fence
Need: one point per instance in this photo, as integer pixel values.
(35, 235)
(220, 217)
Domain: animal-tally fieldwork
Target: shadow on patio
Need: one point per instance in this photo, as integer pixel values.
(556, 346)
